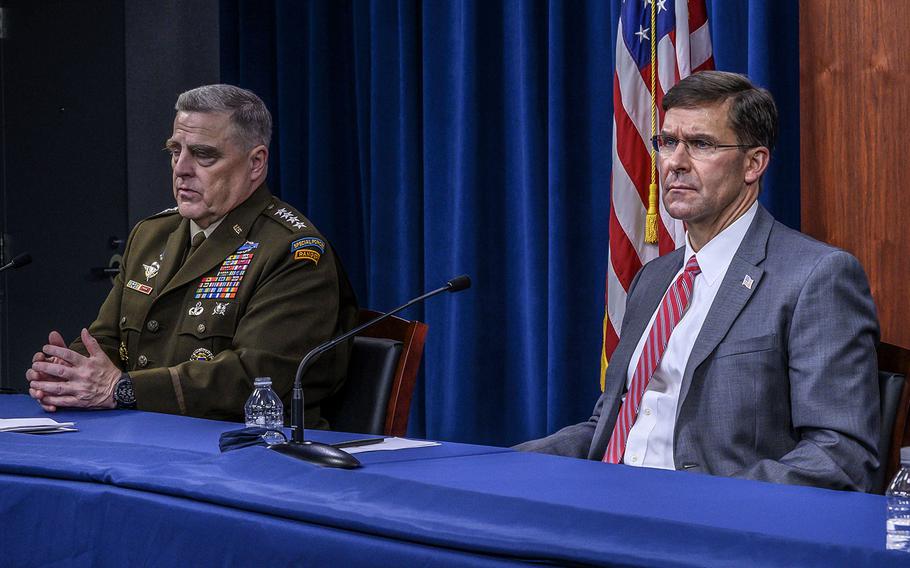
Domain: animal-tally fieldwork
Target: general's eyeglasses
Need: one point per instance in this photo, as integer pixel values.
(697, 147)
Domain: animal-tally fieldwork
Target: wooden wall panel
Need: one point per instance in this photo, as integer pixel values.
(854, 117)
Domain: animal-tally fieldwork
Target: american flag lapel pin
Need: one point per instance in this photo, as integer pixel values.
(747, 282)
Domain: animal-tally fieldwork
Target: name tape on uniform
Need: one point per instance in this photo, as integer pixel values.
(144, 288)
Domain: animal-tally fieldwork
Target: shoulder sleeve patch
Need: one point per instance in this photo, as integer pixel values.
(308, 248)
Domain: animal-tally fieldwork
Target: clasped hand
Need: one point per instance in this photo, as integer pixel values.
(61, 377)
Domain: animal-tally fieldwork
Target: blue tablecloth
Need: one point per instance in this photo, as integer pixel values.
(134, 487)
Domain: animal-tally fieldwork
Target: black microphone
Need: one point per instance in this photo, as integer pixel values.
(324, 454)
(18, 261)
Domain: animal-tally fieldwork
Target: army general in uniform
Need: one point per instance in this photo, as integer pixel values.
(230, 285)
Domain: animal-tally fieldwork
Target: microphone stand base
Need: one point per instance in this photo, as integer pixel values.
(317, 453)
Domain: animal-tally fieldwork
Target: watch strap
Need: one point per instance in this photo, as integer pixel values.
(124, 396)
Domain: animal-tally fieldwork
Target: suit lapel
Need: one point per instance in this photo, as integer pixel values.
(742, 279)
(229, 235)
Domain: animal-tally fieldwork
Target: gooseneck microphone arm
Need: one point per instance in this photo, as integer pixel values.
(17, 262)
(323, 454)
(454, 285)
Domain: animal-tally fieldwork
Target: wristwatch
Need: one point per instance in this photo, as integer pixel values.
(124, 396)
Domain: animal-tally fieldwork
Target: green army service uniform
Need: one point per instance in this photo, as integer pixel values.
(262, 290)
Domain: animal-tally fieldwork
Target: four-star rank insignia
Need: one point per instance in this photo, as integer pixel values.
(290, 218)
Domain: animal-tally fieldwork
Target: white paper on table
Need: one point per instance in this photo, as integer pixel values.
(35, 425)
(63, 428)
(391, 444)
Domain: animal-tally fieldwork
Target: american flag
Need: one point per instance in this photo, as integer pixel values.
(683, 47)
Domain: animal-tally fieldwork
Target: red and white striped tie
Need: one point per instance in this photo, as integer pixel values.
(671, 311)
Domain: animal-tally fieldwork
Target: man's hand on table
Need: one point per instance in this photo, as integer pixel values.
(61, 377)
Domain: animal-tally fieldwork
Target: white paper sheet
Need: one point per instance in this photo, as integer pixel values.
(391, 444)
(35, 425)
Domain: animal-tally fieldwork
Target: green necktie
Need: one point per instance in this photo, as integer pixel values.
(197, 240)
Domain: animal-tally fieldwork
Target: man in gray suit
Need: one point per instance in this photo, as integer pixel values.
(762, 363)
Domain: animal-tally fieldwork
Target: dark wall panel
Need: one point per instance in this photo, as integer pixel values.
(88, 90)
(64, 176)
(171, 46)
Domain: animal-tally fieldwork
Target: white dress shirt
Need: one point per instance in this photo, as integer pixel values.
(650, 440)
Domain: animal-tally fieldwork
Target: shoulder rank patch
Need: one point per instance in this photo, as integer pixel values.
(308, 248)
(167, 211)
(289, 217)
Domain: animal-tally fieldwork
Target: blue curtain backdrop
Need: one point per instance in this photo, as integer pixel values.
(430, 139)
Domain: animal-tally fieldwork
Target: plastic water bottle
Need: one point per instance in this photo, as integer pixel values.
(898, 495)
(264, 409)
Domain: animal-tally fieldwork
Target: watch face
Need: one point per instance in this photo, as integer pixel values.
(124, 394)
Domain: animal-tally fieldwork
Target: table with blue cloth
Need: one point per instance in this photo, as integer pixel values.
(140, 488)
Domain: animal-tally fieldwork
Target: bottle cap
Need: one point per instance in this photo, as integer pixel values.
(267, 382)
(905, 456)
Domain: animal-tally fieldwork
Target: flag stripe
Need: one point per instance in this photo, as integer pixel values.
(625, 263)
(634, 93)
(616, 303)
(633, 155)
(683, 46)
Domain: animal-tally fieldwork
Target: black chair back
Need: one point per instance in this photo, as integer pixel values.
(891, 385)
(361, 404)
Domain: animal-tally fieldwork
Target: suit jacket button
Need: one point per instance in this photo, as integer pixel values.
(152, 325)
(142, 361)
(200, 328)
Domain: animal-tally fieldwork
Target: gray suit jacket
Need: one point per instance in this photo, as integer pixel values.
(782, 381)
